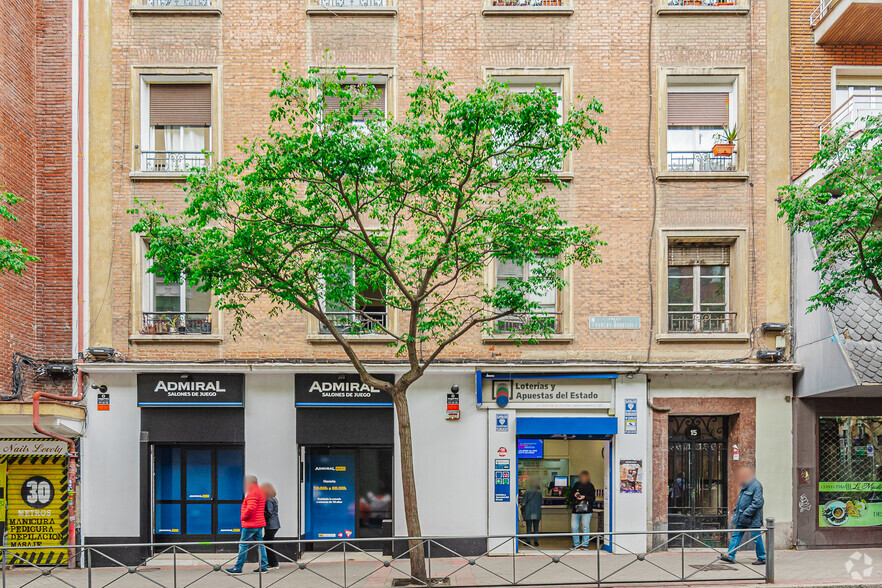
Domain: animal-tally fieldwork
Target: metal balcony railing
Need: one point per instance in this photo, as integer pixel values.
(701, 161)
(517, 323)
(701, 322)
(527, 3)
(701, 2)
(173, 161)
(853, 110)
(820, 11)
(357, 323)
(354, 3)
(176, 3)
(175, 323)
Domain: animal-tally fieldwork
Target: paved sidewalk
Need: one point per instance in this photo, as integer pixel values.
(793, 568)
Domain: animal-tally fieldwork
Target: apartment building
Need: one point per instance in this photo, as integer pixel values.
(836, 74)
(661, 338)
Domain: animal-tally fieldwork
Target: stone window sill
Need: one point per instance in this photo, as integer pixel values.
(702, 337)
(703, 10)
(140, 176)
(538, 340)
(194, 338)
(352, 10)
(527, 11)
(727, 176)
(320, 339)
(191, 10)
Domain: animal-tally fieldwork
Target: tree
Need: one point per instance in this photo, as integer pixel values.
(14, 256)
(841, 212)
(338, 211)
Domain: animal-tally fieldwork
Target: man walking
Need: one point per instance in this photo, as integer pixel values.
(584, 495)
(253, 523)
(748, 515)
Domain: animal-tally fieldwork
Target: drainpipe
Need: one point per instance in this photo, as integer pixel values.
(71, 462)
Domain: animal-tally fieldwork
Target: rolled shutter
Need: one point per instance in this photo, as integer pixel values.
(698, 109)
(180, 104)
(379, 102)
(506, 270)
(703, 254)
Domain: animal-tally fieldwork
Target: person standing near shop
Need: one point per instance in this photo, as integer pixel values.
(748, 515)
(253, 522)
(584, 495)
(271, 514)
(531, 510)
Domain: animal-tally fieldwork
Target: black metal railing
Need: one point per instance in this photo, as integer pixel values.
(701, 2)
(541, 321)
(176, 323)
(528, 3)
(615, 558)
(177, 3)
(701, 161)
(353, 3)
(173, 161)
(701, 322)
(368, 322)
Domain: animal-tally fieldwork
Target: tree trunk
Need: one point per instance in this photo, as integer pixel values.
(411, 512)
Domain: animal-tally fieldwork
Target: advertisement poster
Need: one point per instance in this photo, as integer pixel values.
(37, 509)
(854, 512)
(502, 491)
(631, 476)
(330, 512)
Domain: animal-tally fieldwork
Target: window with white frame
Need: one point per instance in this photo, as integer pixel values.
(177, 124)
(855, 97)
(365, 312)
(699, 288)
(170, 308)
(548, 301)
(378, 102)
(699, 112)
(525, 84)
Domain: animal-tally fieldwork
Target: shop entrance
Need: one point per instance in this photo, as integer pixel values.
(347, 493)
(197, 493)
(697, 475)
(547, 470)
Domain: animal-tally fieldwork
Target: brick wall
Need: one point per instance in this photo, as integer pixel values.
(35, 130)
(810, 75)
(605, 42)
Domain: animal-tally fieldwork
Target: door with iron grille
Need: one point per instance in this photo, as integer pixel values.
(697, 476)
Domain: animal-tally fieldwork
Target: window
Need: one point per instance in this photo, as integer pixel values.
(854, 97)
(379, 102)
(174, 308)
(850, 471)
(699, 289)
(699, 3)
(365, 313)
(697, 113)
(548, 308)
(178, 121)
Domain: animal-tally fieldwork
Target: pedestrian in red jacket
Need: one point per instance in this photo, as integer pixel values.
(253, 523)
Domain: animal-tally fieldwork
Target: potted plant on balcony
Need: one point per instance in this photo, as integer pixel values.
(725, 3)
(725, 141)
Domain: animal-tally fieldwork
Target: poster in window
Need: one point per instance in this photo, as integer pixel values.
(849, 471)
(631, 476)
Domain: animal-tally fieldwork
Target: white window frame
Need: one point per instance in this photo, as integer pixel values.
(689, 85)
(148, 134)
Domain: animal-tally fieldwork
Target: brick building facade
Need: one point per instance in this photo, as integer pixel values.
(655, 190)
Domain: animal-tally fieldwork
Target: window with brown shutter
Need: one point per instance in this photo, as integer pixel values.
(180, 104)
(693, 109)
(699, 254)
(377, 103)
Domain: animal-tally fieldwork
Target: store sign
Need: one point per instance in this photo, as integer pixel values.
(191, 389)
(553, 392)
(339, 390)
(32, 447)
(37, 509)
(614, 323)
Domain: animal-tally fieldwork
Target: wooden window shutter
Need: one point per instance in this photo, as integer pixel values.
(699, 254)
(692, 109)
(180, 104)
(379, 102)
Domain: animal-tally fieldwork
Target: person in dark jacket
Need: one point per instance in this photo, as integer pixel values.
(271, 514)
(748, 515)
(583, 494)
(253, 523)
(531, 509)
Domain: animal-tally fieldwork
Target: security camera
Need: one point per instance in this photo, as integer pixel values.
(454, 389)
(102, 388)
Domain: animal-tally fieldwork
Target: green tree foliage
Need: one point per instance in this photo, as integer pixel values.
(14, 256)
(841, 212)
(337, 209)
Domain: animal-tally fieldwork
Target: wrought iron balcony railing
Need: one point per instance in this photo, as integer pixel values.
(176, 323)
(527, 3)
(357, 323)
(701, 3)
(173, 161)
(517, 323)
(701, 161)
(354, 3)
(701, 322)
(176, 3)
(853, 110)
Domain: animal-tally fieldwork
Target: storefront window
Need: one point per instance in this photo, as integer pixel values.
(849, 472)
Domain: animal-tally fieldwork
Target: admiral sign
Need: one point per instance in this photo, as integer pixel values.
(191, 389)
(339, 390)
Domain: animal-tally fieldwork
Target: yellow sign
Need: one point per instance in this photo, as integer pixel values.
(2, 492)
(36, 504)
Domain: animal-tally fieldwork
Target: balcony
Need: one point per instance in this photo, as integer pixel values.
(701, 322)
(518, 322)
(701, 161)
(847, 22)
(852, 111)
(514, 7)
(368, 322)
(207, 7)
(352, 7)
(176, 323)
(176, 162)
(701, 3)
(177, 3)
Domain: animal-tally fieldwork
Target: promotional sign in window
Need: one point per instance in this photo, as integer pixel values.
(37, 513)
(330, 487)
(530, 449)
(339, 390)
(850, 471)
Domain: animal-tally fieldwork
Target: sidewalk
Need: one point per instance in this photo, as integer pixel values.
(792, 568)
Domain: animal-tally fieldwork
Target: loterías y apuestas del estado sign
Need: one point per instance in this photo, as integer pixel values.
(191, 389)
